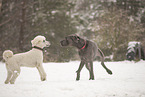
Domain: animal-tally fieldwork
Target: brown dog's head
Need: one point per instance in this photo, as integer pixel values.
(73, 40)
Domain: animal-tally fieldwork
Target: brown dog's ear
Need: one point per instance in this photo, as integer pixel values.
(78, 38)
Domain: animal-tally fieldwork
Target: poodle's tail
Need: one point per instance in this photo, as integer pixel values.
(7, 54)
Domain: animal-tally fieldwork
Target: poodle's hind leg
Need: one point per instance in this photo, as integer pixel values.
(9, 76)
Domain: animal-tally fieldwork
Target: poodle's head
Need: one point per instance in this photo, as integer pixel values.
(40, 41)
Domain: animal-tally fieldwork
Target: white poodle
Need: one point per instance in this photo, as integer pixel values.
(32, 58)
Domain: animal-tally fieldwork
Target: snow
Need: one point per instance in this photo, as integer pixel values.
(128, 80)
(133, 43)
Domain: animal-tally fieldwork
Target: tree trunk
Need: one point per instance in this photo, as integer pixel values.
(22, 26)
(0, 6)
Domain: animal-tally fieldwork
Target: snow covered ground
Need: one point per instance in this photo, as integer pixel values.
(128, 80)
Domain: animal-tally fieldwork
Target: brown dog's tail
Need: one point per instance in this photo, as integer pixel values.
(7, 54)
(102, 62)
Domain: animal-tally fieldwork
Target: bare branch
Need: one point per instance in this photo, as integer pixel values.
(8, 20)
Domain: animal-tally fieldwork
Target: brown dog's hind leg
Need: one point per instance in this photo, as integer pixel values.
(101, 55)
(92, 71)
(89, 66)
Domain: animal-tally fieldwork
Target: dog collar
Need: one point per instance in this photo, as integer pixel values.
(84, 45)
(37, 48)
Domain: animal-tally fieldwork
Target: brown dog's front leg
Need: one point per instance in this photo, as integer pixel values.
(79, 70)
(91, 71)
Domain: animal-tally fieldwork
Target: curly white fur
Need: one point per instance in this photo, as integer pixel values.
(32, 58)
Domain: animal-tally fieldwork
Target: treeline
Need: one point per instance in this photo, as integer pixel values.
(110, 23)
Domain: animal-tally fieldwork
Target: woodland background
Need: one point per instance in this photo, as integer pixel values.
(110, 23)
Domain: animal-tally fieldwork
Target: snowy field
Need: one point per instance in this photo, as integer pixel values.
(128, 80)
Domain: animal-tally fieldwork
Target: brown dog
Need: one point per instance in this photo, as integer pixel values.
(88, 51)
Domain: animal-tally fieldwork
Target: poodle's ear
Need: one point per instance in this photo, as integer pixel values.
(34, 42)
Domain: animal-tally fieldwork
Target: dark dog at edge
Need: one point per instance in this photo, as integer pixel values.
(88, 51)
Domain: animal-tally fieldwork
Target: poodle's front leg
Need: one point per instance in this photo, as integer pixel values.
(15, 75)
(41, 72)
